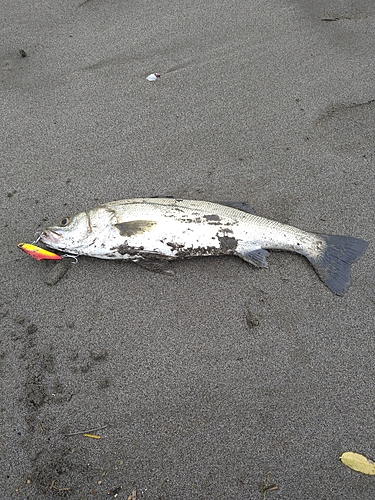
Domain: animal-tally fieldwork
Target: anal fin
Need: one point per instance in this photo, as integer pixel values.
(257, 257)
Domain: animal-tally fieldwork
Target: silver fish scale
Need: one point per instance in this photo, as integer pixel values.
(141, 206)
(261, 232)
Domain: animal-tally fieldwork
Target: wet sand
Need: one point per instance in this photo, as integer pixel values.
(222, 379)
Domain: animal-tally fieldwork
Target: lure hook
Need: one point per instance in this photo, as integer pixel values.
(74, 257)
(37, 235)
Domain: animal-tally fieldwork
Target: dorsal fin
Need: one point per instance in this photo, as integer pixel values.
(239, 205)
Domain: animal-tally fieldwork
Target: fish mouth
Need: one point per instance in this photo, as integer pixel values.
(49, 236)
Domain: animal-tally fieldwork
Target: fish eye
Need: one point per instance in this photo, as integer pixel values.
(65, 221)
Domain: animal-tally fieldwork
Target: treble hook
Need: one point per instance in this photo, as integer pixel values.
(38, 235)
(74, 257)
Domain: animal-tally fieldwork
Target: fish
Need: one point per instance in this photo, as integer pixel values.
(148, 231)
(38, 253)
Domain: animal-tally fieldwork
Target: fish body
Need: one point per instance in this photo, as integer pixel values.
(38, 253)
(141, 230)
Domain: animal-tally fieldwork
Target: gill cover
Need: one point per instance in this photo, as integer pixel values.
(76, 234)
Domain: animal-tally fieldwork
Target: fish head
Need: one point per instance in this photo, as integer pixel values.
(69, 235)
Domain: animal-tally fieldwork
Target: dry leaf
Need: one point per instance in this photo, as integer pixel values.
(358, 462)
(133, 496)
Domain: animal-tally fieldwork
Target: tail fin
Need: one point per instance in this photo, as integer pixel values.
(333, 264)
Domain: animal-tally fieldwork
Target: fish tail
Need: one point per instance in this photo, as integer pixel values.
(332, 265)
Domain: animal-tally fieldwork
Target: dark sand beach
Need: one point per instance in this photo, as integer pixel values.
(222, 380)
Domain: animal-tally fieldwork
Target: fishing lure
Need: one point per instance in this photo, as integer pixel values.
(38, 253)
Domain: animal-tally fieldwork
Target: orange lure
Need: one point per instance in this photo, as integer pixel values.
(37, 252)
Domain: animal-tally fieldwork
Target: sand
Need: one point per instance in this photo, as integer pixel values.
(222, 379)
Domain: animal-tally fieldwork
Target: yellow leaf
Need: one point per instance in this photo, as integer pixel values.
(358, 462)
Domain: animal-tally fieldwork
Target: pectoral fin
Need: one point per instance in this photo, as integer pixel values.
(134, 227)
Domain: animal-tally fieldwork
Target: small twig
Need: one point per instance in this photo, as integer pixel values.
(92, 436)
(61, 489)
(272, 487)
(40, 426)
(86, 432)
(268, 487)
(53, 487)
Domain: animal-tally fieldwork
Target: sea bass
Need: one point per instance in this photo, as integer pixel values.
(156, 229)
